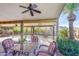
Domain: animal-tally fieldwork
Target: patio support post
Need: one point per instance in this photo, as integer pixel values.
(32, 30)
(53, 32)
(21, 41)
(57, 28)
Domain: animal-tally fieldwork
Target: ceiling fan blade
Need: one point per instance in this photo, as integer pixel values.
(31, 12)
(25, 11)
(22, 6)
(34, 6)
(36, 11)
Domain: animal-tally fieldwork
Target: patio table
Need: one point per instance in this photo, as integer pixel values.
(27, 48)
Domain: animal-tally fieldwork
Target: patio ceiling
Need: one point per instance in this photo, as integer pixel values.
(11, 12)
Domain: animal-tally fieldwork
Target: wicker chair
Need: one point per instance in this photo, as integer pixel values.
(7, 45)
(34, 38)
(51, 49)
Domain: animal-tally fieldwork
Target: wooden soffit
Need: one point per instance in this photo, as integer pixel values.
(30, 21)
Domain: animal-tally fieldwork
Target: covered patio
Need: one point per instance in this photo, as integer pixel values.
(11, 17)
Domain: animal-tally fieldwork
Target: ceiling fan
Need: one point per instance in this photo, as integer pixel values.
(30, 8)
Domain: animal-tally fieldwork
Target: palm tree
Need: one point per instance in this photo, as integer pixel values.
(70, 8)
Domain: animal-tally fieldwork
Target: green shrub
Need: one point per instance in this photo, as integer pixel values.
(68, 47)
(16, 29)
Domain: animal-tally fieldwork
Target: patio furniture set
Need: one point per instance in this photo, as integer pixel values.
(33, 47)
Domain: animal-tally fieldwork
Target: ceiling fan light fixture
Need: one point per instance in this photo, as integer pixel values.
(31, 8)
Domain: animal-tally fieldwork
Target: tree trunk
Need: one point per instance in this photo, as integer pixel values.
(71, 31)
(71, 19)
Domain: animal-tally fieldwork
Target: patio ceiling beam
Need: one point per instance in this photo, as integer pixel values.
(30, 21)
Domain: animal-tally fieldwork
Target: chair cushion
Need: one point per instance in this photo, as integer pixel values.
(43, 53)
(43, 48)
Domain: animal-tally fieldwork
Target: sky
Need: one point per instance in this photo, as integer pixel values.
(64, 22)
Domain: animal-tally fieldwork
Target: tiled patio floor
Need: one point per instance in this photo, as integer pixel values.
(58, 53)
